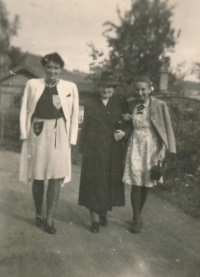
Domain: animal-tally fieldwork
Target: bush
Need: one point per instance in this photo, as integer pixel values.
(182, 176)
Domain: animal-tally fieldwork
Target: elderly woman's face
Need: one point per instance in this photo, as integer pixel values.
(52, 71)
(106, 91)
(141, 91)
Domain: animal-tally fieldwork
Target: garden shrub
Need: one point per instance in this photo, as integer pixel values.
(182, 178)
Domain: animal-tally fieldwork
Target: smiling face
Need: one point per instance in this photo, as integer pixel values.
(106, 91)
(141, 91)
(52, 71)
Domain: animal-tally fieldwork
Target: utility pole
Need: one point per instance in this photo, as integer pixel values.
(164, 75)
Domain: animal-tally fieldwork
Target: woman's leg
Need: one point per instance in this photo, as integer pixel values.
(136, 203)
(144, 193)
(53, 193)
(94, 222)
(138, 199)
(94, 217)
(103, 219)
(38, 193)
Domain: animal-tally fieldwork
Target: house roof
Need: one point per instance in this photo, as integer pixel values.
(32, 64)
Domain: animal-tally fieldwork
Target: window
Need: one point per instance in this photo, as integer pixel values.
(81, 114)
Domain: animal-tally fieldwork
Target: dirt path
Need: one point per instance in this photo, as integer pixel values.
(169, 245)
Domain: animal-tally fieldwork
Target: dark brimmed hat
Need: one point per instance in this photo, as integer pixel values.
(109, 78)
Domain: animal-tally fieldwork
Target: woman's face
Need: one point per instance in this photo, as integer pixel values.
(141, 91)
(52, 71)
(106, 92)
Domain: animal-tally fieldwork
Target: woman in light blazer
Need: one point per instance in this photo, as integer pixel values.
(152, 134)
(49, 126)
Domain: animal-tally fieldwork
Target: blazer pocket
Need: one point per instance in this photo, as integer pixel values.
(68, 95)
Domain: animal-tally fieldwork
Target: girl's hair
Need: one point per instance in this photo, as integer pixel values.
(142, 79)
(53, 57)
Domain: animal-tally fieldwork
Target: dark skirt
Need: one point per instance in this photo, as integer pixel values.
(101, 186)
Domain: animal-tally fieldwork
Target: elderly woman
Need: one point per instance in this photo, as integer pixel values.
(49, 126)
(103, 143)
(152, 134)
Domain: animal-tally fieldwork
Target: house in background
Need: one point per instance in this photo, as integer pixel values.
(13, 81)
(192, 89)
(12, 85)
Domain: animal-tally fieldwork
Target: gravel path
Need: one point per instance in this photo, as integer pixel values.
(169, 245)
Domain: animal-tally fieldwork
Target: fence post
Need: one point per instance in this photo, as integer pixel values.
(2, 126)
(164, 76)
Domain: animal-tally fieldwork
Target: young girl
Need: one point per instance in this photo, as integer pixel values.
(49, 126)
(152, 134)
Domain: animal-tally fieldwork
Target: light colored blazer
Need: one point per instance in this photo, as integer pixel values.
(69, 99)
(160, 118)
(68, 94)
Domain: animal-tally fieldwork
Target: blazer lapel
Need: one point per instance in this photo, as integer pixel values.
(104, 112)
(153, 107)
(62, 99)
(132, 105)
(38, 94)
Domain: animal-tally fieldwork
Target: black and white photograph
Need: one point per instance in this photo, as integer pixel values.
(100, 138)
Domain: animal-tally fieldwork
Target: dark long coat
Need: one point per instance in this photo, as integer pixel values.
(101, 185)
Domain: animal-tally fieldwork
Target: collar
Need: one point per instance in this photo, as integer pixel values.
(105, 101)
(144, 104)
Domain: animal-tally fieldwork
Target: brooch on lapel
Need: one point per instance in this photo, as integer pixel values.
(68, 95)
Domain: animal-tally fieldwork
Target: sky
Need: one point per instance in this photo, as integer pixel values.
(66, 26)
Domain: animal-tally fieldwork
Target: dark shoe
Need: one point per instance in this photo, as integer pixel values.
(49, 228)
(140, 223)
(135, 228)
(103, 220)
(39, 221)
(94, 227)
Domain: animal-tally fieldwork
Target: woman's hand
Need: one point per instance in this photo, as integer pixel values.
(127, 117)
(119, 134)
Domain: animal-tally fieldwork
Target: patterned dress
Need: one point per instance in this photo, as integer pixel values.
(145, 148)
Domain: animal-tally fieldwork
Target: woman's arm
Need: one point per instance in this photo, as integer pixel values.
(169, 130)
(24, 112)
(127, 117)
(126, 122)
(74, 116)
(125, 127)
(84, 129)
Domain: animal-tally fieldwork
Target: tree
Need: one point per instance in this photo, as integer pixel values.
(99, 62)
(196, 69)
(7, 29)
(177, 77)
(16, 55)
(142, 39)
